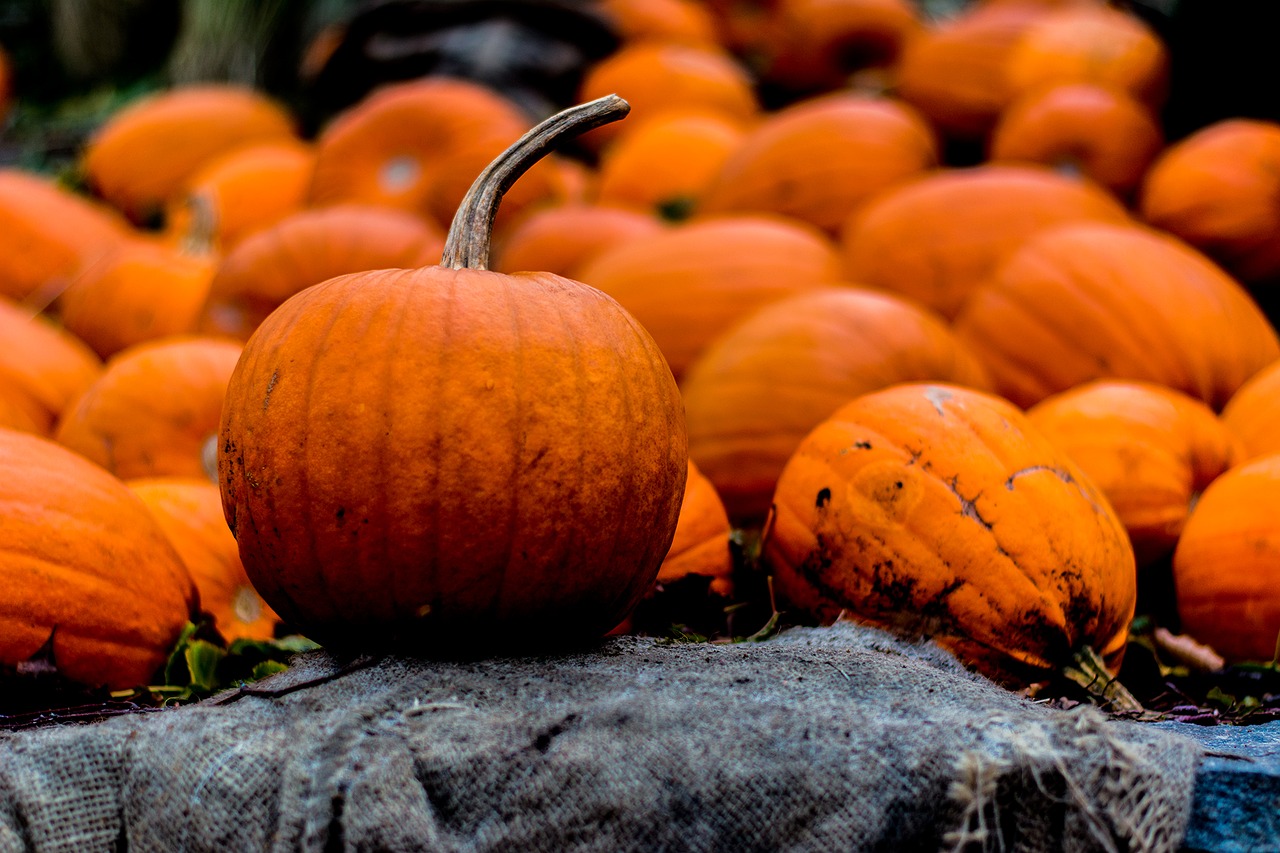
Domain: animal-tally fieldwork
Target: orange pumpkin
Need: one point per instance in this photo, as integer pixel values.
(1226, 568)
(452, 456)
(1217, 190)
(86, 567)
(414, 145)
(819, 159)
(939, 511)
(679, 21)
(1253, 412)
(656, 76)
(241, 192)
(139, 159)
(1081, 128)
(701, 543)
(307, 248)
(939, 237)
(666, 163)
(765, 383)
(189, 511)
(47, 234)
(155, 410)
(1095, 301)
(563, 238)
(140, 291)
(44, 366)
(1150, 449)
(692, 282)
(15, 411)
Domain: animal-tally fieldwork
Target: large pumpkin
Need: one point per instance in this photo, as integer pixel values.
(85, 568)
(940, 511)
(454, 456)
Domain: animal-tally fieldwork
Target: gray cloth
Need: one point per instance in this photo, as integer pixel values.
(817, 740)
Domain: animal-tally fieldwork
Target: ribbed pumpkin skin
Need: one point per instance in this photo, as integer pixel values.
(189, 511)
(1150, 449)
(46, 366)
(701, 543)
(307, 248)
(1227, 566)
(139, 159)
(1217, 190)
(691, 283)
(47, 233)
(436, 454)
(937, 238)
(939, 511)
(818, 160)
(763, 385)
(1253, 412)
(80, 553)
(154, 408)
(1096, 301)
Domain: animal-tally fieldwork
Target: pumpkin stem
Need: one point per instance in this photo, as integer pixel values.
(1088, 671)
(467, 246)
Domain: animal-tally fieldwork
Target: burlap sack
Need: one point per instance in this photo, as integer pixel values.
(816, 740)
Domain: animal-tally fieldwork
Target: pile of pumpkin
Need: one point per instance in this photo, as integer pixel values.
(971, 403)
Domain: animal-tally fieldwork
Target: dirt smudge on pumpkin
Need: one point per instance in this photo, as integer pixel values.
(271, 386)
(824, 497)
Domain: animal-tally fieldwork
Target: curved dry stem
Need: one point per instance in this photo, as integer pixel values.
(467, 246)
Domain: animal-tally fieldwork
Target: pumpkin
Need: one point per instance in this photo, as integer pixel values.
(241, 192)
(306, 248)
(1226, 568)
(692, 282)
(1096, 301)
(16, 413)
(1090, 44)
(142, 290)
(819, 44)
(701, 542)
(139, 159)
(939, 511)
(155, 409)
(937, 238)
(667, 163)
(1217, 190)
(563, 238)
(679, 21)
(450, 457)
(43, 366)
(87, 571)
(954, 72)
(819, 159)
(765, 383)
(1150, 449)
(189, 511)
(658, 76)
(413, 145)
(1254, 410)
(47, 233)
(1080, 128)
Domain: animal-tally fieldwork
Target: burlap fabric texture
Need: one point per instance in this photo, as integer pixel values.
(817, 740)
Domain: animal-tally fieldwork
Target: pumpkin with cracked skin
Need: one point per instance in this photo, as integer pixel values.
(939, 511)
(450, 457)
(90, 578)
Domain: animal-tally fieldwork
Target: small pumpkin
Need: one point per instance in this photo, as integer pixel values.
(1254, 410)
(1102, 133)
(939, 511)
(88, 572)
(189, 511)
(819, 159)
(937, 238)
(695, 280)
(1150, 308)
(450, 457)
(701, 543)
(139, 159)
(44, 366)
(563, 238)
(765, 383)
(155, 409)
(678, 21)
(306, 248)
(1151, 450)
(1226, 568)
(1217, 190)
